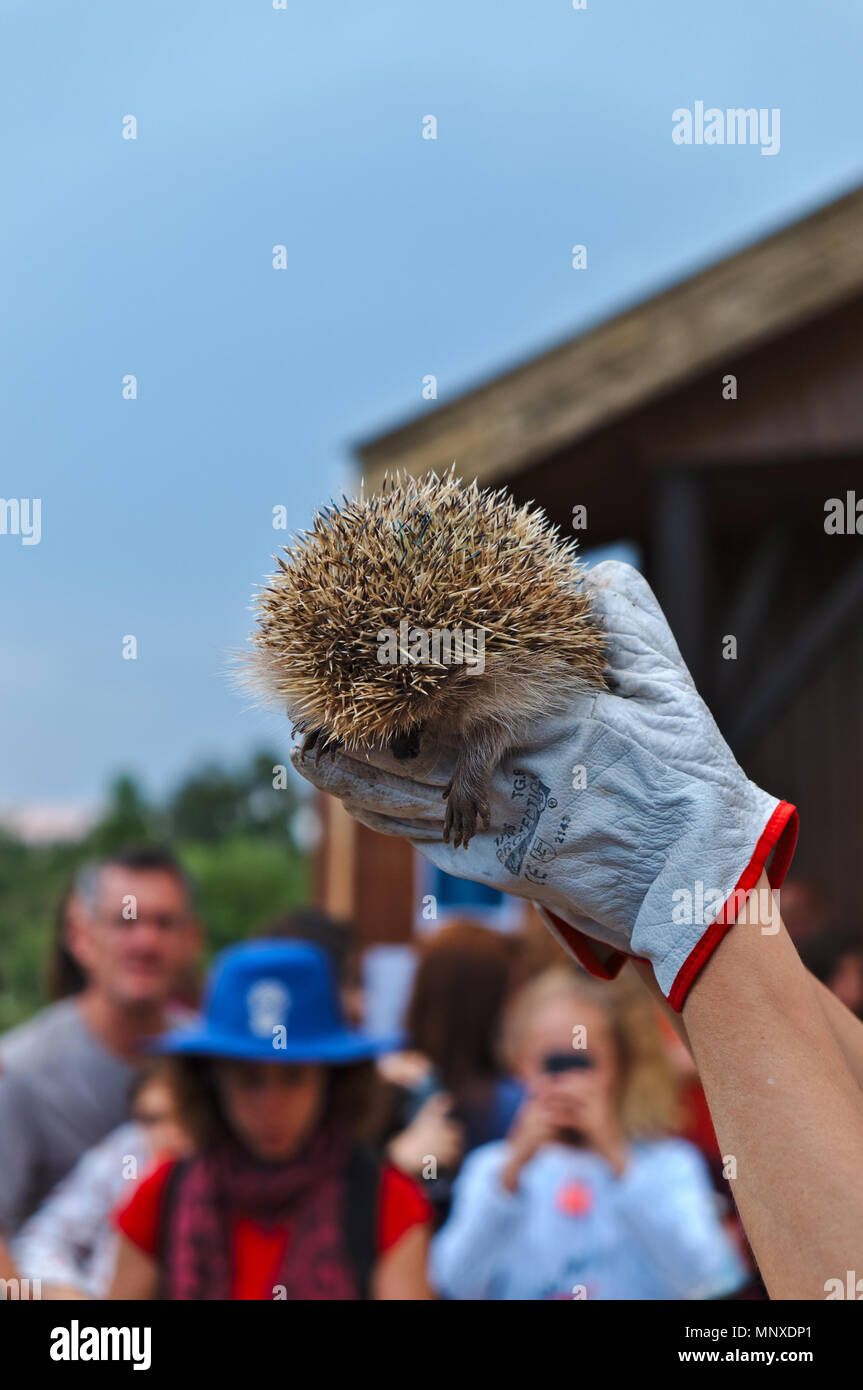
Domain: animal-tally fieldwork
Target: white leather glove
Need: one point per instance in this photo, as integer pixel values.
(626, 820)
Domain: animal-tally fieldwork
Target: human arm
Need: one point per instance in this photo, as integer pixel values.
(846, 1028)
(784, 1104)
(795, 1122)
(7, 1267)
(431, 1131)
(401, 1272)
(662, 820)
(136, 1274)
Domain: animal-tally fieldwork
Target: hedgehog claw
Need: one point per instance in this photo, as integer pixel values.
(323, 748)
(308, 743)
(462, 813)
(316, 740)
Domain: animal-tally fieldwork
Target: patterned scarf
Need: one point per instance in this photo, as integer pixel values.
(217, 1188)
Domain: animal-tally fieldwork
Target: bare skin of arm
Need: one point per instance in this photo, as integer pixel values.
(846, 1027)
(136, 1275)
(785, 1102)
(7, 1268)
(400, 1274)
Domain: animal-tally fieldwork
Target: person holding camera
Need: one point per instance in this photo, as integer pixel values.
(587, 1197)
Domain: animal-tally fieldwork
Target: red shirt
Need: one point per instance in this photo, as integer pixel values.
(257, 1252)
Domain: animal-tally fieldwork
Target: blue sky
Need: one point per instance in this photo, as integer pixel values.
(405, 257)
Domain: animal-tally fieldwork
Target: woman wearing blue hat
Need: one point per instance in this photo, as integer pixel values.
(280, 1200)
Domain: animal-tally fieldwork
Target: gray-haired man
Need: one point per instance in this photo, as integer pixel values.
(67, 1072)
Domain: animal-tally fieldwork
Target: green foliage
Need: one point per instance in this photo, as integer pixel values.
(230, 829)
(242, 883)
(32, 880)
(128, 820)
(216, 804)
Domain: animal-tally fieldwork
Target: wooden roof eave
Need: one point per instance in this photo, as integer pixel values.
(562, 395)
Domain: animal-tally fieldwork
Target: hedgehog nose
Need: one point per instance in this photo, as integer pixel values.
(406, 745)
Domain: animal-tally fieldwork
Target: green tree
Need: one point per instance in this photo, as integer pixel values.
(214, 803)
(230, 829)
(128, 819)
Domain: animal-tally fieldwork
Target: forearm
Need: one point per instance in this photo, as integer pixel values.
(784, 1104)
(136, 1276)
(7, 1268)
(846, 1028)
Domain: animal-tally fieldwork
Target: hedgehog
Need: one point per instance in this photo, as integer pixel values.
(430, 609)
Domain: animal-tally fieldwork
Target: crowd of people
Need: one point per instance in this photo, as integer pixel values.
(530, 1134)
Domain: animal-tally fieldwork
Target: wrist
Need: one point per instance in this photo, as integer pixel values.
(510, 1173)
(400, 1154)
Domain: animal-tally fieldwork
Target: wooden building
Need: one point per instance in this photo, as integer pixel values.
(728, 492)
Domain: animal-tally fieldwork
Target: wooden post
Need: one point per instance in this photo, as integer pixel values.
(363, 877)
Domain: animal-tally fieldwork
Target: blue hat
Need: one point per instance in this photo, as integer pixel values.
(273, 1001)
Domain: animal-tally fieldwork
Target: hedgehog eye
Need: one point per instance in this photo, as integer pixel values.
(407, 745)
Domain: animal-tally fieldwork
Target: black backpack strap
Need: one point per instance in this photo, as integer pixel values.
(360, 1214)
(166, 1215)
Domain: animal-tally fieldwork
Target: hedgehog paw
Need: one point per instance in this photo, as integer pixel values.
(453, 826)
(463, 810)
(323, 748)
(316, 740)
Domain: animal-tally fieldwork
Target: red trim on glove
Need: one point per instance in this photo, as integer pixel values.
(583, 948)
(779, 834)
